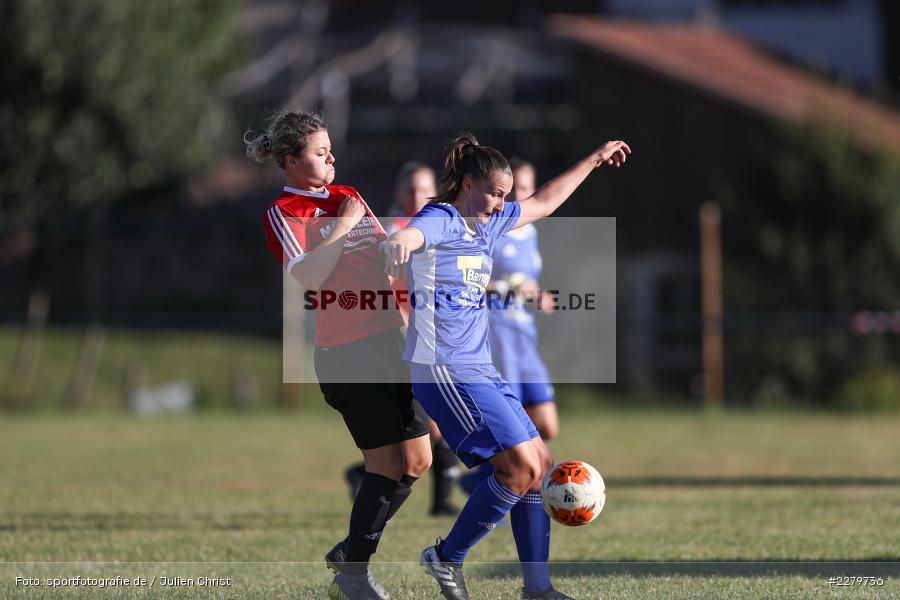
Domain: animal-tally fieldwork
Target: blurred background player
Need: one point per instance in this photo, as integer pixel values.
(446, 251)
(513, 334)
(415, 186)
(327, 238)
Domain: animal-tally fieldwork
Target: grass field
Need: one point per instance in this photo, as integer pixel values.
(209, 361)
(259, 498)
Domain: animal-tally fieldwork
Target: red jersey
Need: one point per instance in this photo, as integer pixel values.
(296, 223)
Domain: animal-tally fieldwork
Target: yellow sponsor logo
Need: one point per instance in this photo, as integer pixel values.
(468, 262)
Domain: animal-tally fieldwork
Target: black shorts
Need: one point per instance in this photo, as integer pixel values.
(368, 383)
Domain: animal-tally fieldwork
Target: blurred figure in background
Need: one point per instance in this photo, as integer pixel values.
(513, 334)
(414, 188)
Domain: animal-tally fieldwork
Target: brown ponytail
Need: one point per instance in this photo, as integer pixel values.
(466, 157)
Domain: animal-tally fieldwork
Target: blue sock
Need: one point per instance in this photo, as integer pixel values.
(474, 477)
(531, 530)
(486, 506)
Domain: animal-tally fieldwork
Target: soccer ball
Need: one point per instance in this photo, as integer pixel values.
(573, 493)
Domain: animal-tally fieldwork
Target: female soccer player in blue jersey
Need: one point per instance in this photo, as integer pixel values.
(516, 268)
(446, 250)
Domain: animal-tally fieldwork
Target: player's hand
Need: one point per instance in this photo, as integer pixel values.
(350, 212)
(612, 153)
(396, 254)
(542, 299)
(545, 302)
(528, 290)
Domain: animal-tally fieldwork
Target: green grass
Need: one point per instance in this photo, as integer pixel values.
(259, 497)
(211, 362)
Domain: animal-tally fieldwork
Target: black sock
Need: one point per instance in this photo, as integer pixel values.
(374, 505)
(368, 516)
(443, 473)
(401, 493)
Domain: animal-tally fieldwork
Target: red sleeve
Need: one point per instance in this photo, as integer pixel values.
(286, 234)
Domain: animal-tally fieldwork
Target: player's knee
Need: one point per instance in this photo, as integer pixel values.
(418, 464)
(546, 463)
(532, 475)
(521, 479)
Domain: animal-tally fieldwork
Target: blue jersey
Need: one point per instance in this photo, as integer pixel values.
(447, 279)
(516, 260)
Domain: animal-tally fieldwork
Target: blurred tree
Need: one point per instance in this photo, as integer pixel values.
(103, 98)
(815, 236)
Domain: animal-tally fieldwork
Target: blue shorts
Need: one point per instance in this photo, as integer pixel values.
(515, 354)
(476, 411)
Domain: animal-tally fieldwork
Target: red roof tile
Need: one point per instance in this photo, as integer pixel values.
(731, 68)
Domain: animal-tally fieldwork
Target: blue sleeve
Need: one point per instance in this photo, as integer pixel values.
(434, 222)
(501, 222)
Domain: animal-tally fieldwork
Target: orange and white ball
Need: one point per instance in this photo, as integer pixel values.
(573, 493)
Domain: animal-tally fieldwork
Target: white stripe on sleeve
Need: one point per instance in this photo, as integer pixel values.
(286, 245)
(287, 228)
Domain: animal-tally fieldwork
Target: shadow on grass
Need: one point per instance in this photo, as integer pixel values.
(625, 482)
(868, 567)
(64, 521)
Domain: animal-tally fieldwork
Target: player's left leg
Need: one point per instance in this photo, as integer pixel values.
(530, 524)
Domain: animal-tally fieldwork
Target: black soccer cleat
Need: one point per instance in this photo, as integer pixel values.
(449, 575)
(345, 586)
(337, 556)
(550, 594)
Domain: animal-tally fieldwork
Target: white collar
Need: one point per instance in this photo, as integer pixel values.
(470, 228)
(292, 190)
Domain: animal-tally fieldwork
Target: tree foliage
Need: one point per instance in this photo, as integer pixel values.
(816, 237)
(104, 97)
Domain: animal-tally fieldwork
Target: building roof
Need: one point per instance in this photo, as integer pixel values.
(731, 68)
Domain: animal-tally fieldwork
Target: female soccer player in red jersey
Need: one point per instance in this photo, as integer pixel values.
(328, 238)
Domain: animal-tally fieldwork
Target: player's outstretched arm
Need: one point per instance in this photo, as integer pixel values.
(398, 248)
(553, 193)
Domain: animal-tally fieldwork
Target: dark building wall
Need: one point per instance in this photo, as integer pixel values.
(688, 147)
